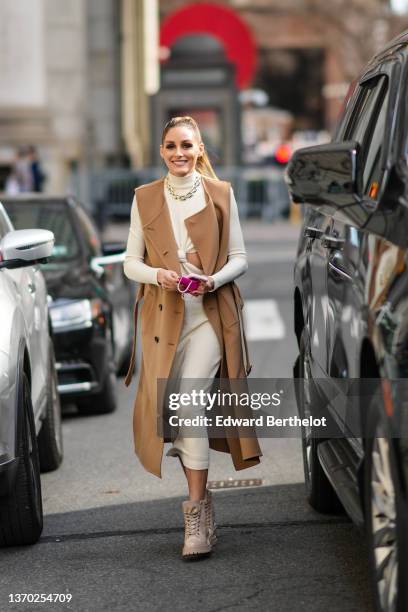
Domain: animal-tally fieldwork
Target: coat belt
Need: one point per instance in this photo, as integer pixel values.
(239, 303)
(130, 371)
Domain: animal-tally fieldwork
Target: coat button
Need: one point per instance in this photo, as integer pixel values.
(156, 338)
(160, 306)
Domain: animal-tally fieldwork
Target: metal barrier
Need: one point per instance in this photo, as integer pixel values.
(260, 192)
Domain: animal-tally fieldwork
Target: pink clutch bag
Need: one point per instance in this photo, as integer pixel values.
(189, 284)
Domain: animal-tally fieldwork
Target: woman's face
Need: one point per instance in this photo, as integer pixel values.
(180, 150)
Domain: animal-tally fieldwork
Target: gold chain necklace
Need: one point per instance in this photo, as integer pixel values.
(185, 196)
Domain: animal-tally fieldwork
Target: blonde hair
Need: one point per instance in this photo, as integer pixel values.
(203, 162)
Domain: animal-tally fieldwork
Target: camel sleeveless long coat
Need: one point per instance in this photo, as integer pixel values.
(163, 312)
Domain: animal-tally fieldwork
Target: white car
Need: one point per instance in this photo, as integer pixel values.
(30, 412)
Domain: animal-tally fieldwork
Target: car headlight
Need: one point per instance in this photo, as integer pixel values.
(68, 315)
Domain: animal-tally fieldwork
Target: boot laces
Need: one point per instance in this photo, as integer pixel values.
(209, 514)
(192, 519)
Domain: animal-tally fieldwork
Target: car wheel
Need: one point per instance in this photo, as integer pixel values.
(50, 445)
(386, 523)
(105, 401)
(21, 513)
(320, 493)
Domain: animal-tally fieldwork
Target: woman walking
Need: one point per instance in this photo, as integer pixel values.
(187, 224)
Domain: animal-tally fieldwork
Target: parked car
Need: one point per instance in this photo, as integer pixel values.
(30, 423)
(92, 300)
(351, 316)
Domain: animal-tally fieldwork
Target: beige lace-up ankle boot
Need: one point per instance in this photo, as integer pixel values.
(210, 517)
(196, 541)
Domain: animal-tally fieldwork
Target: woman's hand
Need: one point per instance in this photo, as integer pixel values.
(204, 287)
(168, 279)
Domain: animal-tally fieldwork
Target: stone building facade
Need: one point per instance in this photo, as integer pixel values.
(74, 84)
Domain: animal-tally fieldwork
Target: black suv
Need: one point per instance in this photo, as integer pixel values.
(91, 300)
(351, 314)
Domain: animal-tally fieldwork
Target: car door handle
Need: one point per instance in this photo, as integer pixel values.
(312, 232)
(337, 263)
(339, 271)
(331, 242)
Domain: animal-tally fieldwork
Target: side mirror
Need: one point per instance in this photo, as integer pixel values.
(326, 174)
(21, 248)
(97, 263)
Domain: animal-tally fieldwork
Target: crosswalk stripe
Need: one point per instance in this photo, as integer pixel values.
(262, 320)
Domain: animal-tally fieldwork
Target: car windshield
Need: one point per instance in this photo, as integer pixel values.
(50, 215)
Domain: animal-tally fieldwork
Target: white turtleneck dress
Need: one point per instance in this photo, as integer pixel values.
(198, 352)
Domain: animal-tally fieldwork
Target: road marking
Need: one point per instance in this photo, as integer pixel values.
(263, 321)
(230, 483)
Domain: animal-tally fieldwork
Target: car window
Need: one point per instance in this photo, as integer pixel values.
(369, 95)
(346, 108)
(372, 170)
(50, 215)
(367, 127)
(90, 232)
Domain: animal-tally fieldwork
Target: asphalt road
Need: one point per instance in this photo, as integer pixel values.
(113, 533)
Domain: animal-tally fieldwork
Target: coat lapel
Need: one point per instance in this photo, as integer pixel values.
(159, 230)
(203, 230)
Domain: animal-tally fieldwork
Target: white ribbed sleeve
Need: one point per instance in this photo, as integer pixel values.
(237, 263)
(134, 266)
